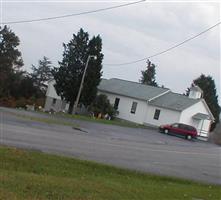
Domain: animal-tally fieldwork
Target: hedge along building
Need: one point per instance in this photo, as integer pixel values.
(151, 106)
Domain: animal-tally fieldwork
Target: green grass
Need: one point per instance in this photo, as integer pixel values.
(51, 120)
(47, 120)
(117, 122)
(34, 175)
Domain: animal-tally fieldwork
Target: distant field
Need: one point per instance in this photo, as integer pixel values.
(35, 175)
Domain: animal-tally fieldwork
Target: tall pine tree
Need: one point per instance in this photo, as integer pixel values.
(10, 61)
(68, 75)
(93, 75)
(42, 73)
(149, 75)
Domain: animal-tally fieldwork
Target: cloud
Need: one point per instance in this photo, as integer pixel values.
(128, 33)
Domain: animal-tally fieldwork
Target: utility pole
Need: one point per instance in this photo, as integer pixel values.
(82, 82)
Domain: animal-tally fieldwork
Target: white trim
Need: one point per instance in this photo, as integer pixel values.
(158, 95)
(204, 102)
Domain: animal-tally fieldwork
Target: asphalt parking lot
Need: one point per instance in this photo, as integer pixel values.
(139, 149)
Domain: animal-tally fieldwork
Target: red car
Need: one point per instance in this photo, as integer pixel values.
(185, 130)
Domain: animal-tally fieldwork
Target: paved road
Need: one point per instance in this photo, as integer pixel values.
(134, 148)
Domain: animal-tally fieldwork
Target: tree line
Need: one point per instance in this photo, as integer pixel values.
(18, 87)
(17, 84)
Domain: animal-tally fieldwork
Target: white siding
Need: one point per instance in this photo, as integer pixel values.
(195, 94)
(187, 114)
(51, 92)
(166, 116)
(125, 105)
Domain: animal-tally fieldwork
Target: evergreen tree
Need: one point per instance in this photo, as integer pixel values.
(10, 60)
(93, 75)
(14, 81)
(148, 75)
(27, 88)
(68, 75)
(42, 73)
(207, 84)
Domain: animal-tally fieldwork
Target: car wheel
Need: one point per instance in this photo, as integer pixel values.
(188, 137)
(166, 131)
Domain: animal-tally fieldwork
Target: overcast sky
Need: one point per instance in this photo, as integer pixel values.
(128, 33)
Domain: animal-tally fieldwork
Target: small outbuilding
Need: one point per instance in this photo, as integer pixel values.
(54, 102)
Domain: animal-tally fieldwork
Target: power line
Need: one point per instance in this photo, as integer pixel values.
(166, 50)
(72, 15)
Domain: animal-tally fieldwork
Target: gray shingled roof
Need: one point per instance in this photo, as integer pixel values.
(130, 89)
(174, 101)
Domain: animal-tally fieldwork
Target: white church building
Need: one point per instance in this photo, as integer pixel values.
(148, 105)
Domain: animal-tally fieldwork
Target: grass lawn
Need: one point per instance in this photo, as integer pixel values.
(35, 175)
(116, 121)
(47, 120)
(51, 120)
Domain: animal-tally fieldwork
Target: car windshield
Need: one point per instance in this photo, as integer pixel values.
(175, 125)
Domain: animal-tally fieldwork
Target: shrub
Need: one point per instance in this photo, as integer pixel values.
(8, 102)
(40, 102)
(102, 105)
(21, 102)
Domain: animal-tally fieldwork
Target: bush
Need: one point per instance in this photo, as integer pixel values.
(40, 102)
(102, 105)
(8, 102)
(21, 102)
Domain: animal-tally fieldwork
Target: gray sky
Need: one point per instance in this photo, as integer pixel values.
(128, 33)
